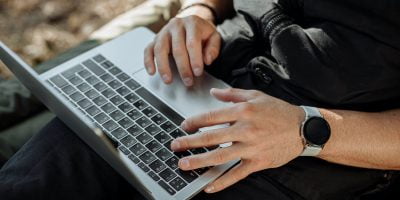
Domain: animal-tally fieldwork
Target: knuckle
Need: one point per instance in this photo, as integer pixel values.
(190, 44)
(246, 109)
(158, 48)
(178, 52)
(208, 137)
(210, 116)
(218, 157)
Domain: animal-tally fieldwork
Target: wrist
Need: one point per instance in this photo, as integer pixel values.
(198, 10)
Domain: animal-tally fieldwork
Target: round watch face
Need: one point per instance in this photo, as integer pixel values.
(316, 130)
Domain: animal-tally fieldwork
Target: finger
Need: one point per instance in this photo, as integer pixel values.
(212, 48)
(194, 46)
(181, 56)
(211, 158)
(205, 139)
(214, 117)
(161, 51)
(234, 95)
(237, 173)
(149, 59)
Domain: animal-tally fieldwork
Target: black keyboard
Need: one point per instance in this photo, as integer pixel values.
(140, 125)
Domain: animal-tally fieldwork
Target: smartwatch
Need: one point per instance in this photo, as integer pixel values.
(315, 131)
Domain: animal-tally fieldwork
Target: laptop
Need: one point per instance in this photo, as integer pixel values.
(128, 117)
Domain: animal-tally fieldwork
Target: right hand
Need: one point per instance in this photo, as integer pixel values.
(192, 40)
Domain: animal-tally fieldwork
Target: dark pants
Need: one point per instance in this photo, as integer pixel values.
(56, 164)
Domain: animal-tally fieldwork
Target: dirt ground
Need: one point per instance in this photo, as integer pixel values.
(40, 29)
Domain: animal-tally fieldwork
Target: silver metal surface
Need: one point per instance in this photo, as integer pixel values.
(309, 149)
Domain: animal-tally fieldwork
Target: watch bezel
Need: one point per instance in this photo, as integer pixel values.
(311, 140)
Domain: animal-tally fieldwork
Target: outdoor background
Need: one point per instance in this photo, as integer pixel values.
(40, 29)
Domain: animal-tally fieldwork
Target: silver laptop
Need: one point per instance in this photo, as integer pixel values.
(126, 116)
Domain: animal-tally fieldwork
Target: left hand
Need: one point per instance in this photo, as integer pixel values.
(264, 133)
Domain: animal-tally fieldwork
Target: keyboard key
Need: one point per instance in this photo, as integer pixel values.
(144, 138)
(134, 159)
(99, 58)
(162, 137)
(91, 94)
(168, 145)
(83, 87)
(100, 86)
(114, 84)
(178, 184)
(107, 64)
(119, 133)
(140, 104)
(68, 89)
(172, 162)
(124, 150)
(153, 129)
(134, 114)
(154, 176)
(143, 122)
(93, 111)
(92, 66)
(137, 149)
(177, 133)
(128, 141)
(108, 93)
(110, 125)
(198, 151)
(123, 77)
(76, 96)
(126, 122)
(101, 118)
(84, 73)
(125, 107)
(158, 119)
(84, 103)
(153, 146)
(201, 171)
(92, 80)
(143, 167)
(166, 187)
(157, 166)
(115, 71)
(117, 115)
(135, 130)
(167, 175)
(168, 126)
(189, 176)
(161, 107)
(72, 71)
(99, 101)
(182, 154)
(147, 157)
(108, 108)
(117, 100)
(149, 112)
(58, 81)
(106, 78)
(163, 154)
(132, 84)
(132, 97)
(123, 91)
(75, 80)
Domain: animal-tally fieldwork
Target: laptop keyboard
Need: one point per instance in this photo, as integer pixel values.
(141, 126)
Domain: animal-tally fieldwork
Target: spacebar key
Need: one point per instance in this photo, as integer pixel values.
(160, 106)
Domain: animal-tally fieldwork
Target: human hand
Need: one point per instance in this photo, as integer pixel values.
(191, 38)
(264, 133)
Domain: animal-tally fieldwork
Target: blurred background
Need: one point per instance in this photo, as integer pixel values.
(40, 29)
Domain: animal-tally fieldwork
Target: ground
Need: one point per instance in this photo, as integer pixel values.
(40, 29)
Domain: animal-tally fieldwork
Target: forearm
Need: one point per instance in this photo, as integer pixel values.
(369, 140)
(224, 8)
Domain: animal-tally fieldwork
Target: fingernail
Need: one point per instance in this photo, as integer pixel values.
(209, 189)
(209, 58)
(175, 145)
(165, 78)
(183, 125)
(197, 72)
(184, 163)
(188, 81)
(149, 71)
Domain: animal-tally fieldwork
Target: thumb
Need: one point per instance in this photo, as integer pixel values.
(233, 95)
(212, 48)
